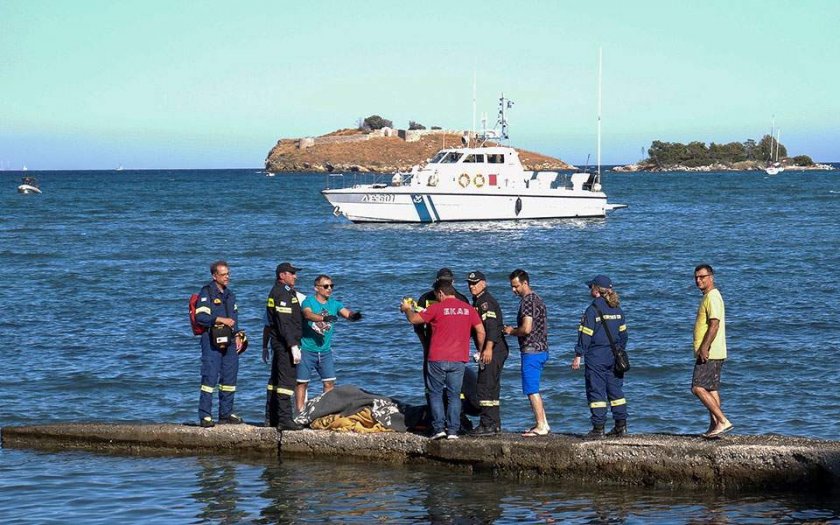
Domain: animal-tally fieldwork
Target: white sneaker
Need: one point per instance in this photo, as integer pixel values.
(439, 435)
(452, 436)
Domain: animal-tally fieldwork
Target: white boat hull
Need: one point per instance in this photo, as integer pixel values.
(403, 205)
(27, 189)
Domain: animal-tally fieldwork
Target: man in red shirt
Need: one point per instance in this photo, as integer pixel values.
(451, 321)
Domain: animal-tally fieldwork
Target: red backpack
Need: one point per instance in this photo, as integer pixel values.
(196, 328)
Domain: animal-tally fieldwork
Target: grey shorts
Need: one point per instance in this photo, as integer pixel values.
(707, 375)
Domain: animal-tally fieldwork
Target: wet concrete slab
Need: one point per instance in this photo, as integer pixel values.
(733, 462)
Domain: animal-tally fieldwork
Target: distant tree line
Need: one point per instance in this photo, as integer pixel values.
(698, 154)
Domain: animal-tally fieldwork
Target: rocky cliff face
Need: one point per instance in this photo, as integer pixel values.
(351, 150)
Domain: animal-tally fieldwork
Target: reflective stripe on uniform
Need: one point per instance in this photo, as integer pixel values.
(281, 391)
(598, 404)
(283, 309)
(493, 403)
(616, 402)
(490, 314)
(587, 331)
(227, 388)
(622, 328)
(203, 310)
(270, 302)
(463, 396)
(208, 389)
(270, 388)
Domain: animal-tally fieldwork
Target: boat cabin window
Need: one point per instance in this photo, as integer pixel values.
(451, 157)
(437, 157)
(496, 158)
(475, 158)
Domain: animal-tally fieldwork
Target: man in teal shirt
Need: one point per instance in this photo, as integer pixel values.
(320, 311)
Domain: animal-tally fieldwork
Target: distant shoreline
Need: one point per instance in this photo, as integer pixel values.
(634, 168)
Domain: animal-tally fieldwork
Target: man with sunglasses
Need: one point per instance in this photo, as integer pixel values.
(320, 312)
(709, 351)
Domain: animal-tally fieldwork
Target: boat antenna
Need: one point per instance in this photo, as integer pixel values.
(598, 151)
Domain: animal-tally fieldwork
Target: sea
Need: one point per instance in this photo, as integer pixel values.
(98, 270)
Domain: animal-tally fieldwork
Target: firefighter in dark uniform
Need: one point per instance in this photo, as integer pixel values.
(491, 358)
(603, 386)
(424, 333)
(286, 321)
(221, 345)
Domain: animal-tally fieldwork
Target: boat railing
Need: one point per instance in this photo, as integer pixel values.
(337, 181)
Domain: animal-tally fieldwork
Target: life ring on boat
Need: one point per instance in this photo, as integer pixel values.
(479, 180)
(464, 180)
(433, 179)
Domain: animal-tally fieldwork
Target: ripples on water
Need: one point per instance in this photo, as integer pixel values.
(98, 270)
(221, 490)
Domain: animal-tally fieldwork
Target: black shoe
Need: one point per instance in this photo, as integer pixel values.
(481, 430)
(232, 419)
(597, 432)
(620, 429)
(289, 425)
(207, 422)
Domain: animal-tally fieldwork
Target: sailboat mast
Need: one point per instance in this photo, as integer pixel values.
(598, 150)
(778, 136)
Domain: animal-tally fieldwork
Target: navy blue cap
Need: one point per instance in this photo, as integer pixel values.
(445, 274)
(474, 277)
(601, 281)
(286, 267)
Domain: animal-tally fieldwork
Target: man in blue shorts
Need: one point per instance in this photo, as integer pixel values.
(321, 312)
(532, 331)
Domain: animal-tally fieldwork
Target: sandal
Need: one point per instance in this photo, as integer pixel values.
(536, 431)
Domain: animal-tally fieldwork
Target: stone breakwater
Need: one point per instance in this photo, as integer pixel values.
(734, 462)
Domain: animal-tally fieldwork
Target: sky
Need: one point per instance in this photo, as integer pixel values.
(143, 84)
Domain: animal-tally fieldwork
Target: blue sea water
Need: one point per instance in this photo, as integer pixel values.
(98, 270)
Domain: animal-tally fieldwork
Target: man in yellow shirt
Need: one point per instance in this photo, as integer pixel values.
(709, 350)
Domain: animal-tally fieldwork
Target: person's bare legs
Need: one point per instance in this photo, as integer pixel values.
(711, 400)
(300, 395)
(539, 412)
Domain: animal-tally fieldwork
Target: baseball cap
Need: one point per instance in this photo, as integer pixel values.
(601, 281)
(474, 277)
(286, 267)
(445, 274)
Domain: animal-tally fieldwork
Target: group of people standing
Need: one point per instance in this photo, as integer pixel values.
(297, 328)
(299, 331)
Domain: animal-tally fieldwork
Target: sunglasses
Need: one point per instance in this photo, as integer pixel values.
(328, 286)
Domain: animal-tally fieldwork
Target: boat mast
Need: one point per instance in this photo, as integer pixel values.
(504, 104)
(472, 134)
(778, 136)
(598, 150)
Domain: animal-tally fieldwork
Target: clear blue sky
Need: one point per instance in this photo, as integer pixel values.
(203, 84)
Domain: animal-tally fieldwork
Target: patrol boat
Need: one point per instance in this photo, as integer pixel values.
(483, 183)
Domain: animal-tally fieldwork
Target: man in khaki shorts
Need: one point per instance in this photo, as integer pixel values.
(709, 351)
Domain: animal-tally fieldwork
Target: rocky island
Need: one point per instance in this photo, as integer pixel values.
(384, 150)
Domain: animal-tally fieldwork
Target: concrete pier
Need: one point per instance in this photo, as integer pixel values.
(733, 462)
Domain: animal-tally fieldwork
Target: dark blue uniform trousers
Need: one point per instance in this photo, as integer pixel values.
(603, 387)
(217, 366)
